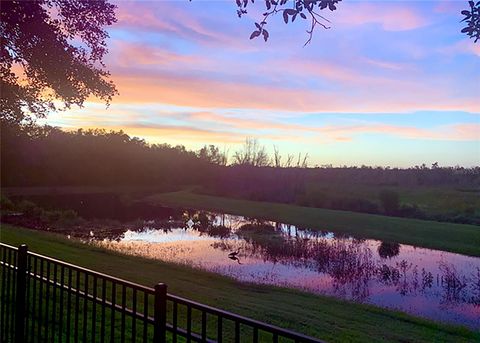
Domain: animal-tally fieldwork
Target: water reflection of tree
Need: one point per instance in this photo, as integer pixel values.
(351, 263)
(475, 287)
(205, 223)
(452, 282)
(388, 250)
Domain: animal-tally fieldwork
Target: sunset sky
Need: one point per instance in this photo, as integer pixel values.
(391, 83)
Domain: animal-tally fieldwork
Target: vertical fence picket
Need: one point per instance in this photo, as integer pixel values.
(3, 295)
(112, 320)
(160, 313)
(9, 302)
(145, 317)
(54, 296)
(85, 308)
(134, 317)
(47, 301)
(77, 306)
(60, 315)
(40, 298)
(21, 293)
(219, 329)
(28, 297)
(69, 305)
(104, 305)
(34, 296)
(124, 304)
(94, 309)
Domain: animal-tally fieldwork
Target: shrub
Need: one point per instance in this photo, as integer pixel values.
(6, 204)
(30, 209)
(390, 201)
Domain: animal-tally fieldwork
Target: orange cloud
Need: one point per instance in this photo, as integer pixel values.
(204, 126)
(192, 91)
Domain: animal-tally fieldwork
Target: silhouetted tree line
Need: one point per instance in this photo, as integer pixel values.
(33, 155)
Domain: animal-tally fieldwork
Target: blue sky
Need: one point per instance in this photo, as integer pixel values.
(390, 83)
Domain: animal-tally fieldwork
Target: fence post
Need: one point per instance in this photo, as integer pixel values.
(160, 314)
(20, 300)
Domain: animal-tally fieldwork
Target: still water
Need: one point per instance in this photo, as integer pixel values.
(429, 283)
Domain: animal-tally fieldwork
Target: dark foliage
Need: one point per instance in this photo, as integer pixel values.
(390, 201)
(290, 10)
(40, 63)
(472, 18)
(34, 155)
(388, 250)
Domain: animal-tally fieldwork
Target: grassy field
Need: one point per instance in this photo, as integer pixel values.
(331, 319)
(431, 200)
(459, 238)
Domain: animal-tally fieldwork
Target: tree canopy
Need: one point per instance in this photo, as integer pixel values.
(51, 55)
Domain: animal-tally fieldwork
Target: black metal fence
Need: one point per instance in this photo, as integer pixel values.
(43, 300)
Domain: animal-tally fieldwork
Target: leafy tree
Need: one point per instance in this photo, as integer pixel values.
(52, 50)
(212, 154)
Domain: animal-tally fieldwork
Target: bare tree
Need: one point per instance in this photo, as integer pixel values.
(252, 153)
(302, 162)
(277, 157)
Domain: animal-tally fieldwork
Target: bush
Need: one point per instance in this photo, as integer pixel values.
(411, 211)
(30, 209)
(390, 201)
(6, 204)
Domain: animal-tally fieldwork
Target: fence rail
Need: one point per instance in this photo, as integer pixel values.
(44, 299)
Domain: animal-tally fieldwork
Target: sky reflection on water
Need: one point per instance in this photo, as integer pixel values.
(430, 283)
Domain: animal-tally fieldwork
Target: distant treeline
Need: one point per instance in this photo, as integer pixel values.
(33, 155)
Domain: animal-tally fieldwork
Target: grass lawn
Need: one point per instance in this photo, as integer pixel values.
(459, 238)
(430, 199)
(327, 318)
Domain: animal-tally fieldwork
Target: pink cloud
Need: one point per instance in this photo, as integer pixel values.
(464, 46)
(129, 54)
(453, 132)
(391, 16)
(450, 6)
(388, 65)
(176, 21)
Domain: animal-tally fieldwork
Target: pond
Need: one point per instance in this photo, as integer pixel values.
(432, 284)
